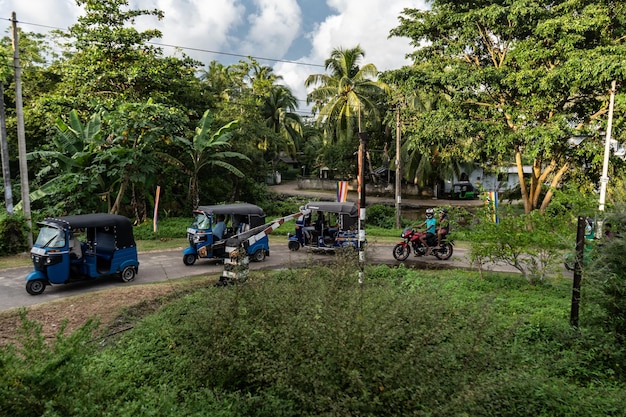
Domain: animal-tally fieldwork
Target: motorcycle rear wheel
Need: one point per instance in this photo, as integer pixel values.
(401, 252)
(444, 252)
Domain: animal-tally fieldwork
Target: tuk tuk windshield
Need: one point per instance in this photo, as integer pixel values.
(50, 237)
(201, 221)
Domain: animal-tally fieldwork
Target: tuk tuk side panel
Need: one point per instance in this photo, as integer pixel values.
(123, 258)
(347, 238)
(259, 244)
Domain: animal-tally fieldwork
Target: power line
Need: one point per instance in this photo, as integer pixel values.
(189, 48)
(193, 49)
(236, 55)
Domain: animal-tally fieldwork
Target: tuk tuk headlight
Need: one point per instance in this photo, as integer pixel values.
(53, 260)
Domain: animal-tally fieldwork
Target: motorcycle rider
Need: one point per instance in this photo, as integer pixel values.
(431, 227)
(444, 225)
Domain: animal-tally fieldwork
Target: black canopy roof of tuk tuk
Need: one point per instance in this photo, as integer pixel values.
(234, 208)
(349, 209)
(121, 225)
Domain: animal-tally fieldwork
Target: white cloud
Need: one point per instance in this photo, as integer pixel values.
(33, 14)
(366, 23)
(261, 28)
(198, 24)
(273, 28)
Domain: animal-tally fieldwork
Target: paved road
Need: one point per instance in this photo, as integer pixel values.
(168, 265)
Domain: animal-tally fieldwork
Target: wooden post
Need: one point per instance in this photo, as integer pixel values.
(580, 248)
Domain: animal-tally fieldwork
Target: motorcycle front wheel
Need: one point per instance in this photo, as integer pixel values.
(401, 252)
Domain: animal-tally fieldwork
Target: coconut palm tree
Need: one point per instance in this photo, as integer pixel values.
(279, 113)
(347, 95)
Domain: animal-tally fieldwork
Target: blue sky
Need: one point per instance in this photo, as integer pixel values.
(302, 31)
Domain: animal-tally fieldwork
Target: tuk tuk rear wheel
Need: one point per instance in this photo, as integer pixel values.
(35, 287)
(259, 255)
(189, 259)
(128, 274)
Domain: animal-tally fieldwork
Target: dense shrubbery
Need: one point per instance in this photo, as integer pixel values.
(13, 234)
(607, 273)
(315, 342)
(167, 228)
(381, 216)
(532, 243)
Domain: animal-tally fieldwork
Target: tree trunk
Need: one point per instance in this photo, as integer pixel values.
(118, 200)
(522, 181)
(555, 182)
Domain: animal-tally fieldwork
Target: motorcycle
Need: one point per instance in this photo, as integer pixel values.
(411, 237)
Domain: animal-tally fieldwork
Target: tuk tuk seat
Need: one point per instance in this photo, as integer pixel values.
(105, 245)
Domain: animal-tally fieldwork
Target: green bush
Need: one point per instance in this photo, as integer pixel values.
(13, 234)
(169, 227)
(381, 216)
(311, 342)
(531, 243)
(315, 342)
(607, 272)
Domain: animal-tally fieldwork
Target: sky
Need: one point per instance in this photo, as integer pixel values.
(294, 37)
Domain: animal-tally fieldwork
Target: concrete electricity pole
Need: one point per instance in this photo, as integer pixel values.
(607, 149)
(21, 137)
(398, 172)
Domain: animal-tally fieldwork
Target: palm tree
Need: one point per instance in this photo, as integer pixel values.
(206, 149)
(278, 110)
(347, 94)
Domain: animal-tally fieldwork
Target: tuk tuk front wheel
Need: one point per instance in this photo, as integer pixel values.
(128, 274)
(189, 259)
(35, 287)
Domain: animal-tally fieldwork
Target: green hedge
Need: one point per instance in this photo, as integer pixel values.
(13, 234)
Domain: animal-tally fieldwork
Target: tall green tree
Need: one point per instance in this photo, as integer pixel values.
(138, 132)
(347, 97)
(523, 78)
(107, 61)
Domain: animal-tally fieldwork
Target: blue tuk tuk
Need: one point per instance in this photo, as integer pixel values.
(239, 219)
(326, 227)
(63, 254)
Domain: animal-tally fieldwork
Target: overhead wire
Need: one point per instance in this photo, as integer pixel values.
(232, 54)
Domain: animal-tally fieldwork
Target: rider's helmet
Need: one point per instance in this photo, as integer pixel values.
(443, 210)
(430, 213)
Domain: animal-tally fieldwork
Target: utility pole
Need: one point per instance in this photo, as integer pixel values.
(398, 172)
(362, 149)
(607, 151)
(21, 137)
(6, 172)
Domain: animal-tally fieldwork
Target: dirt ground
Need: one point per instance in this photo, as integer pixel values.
(105, 306)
